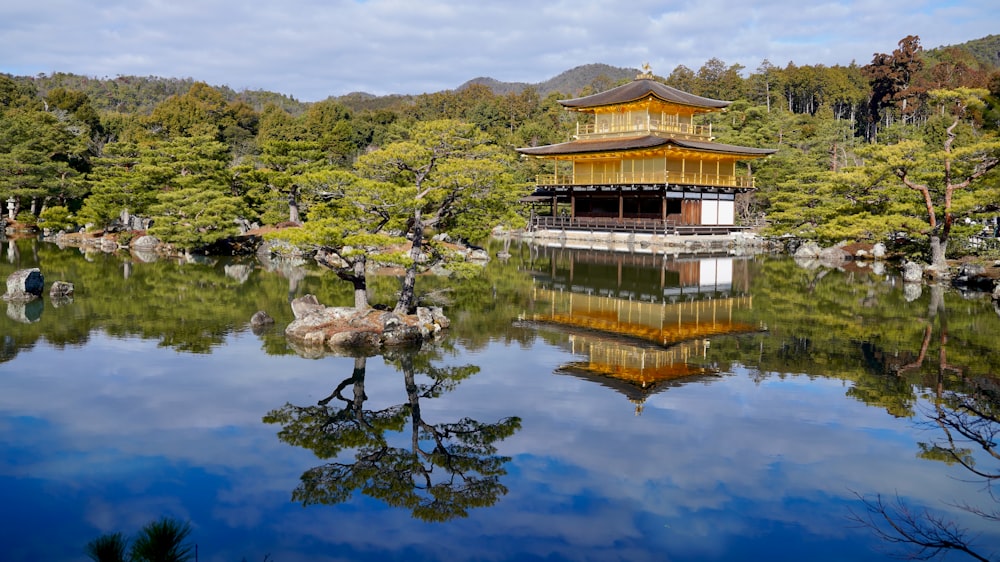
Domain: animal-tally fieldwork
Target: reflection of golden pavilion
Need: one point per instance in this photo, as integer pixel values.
(638, 348)
(645, 277)
(661, 323)
(642, 366)
(635, 371)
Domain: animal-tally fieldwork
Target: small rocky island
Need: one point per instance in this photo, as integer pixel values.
(318, 328)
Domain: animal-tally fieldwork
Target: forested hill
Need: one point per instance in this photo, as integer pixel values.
(570, 82)
(985, 50)
(139, 94)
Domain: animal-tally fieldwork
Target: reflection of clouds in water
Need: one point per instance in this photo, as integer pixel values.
(704, 464)
(702, 447)
(120, 387)
(131, 512)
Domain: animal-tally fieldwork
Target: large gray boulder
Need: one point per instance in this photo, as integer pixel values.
(305, 306)
(809, 250)
(913, 272)
(24, 285)
(833, 257)
(145, 243)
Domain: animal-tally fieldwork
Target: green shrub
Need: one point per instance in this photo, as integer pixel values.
(26, 218)
(57, 218)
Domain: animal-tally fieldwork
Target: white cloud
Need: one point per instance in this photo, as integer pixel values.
(312, 49)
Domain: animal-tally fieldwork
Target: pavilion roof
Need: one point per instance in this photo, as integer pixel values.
(587, 146)
(640, 88)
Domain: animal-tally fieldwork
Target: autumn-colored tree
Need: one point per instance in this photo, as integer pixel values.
(890, 77)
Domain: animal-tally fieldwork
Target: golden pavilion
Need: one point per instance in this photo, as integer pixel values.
(643, 165)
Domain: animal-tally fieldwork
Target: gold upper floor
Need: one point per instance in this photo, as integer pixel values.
(684, 131)
(643, 119)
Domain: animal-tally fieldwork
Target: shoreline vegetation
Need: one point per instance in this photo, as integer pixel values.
(980, 274)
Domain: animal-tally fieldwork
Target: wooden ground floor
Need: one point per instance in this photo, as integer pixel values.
(655, 209)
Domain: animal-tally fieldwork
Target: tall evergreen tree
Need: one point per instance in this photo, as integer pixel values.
(120, 184)
(195, 206)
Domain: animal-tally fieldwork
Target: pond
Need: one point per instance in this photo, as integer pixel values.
(583, 406)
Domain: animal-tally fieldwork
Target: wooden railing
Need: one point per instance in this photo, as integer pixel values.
(637, 225)
(649, 226)
(628, 178)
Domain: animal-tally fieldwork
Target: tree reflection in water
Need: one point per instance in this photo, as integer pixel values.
(968, 420)
(445, 469)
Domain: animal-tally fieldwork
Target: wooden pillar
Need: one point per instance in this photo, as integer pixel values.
(555, 205)
(572, 203)
(621, 205)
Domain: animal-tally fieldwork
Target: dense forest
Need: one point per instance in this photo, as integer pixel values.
(902, 148)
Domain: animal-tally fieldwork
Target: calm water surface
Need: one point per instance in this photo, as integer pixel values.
(584, 406)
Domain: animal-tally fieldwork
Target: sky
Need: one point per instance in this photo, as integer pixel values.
(313, 49)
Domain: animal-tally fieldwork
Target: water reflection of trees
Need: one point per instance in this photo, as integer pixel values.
(857, 326)
(897, 353)
(439, 473)
(964, 413)
(969, 424)
(190, 307)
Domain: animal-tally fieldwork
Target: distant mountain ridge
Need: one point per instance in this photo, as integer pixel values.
(570, 82)
(985, 50)
(142, 93)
